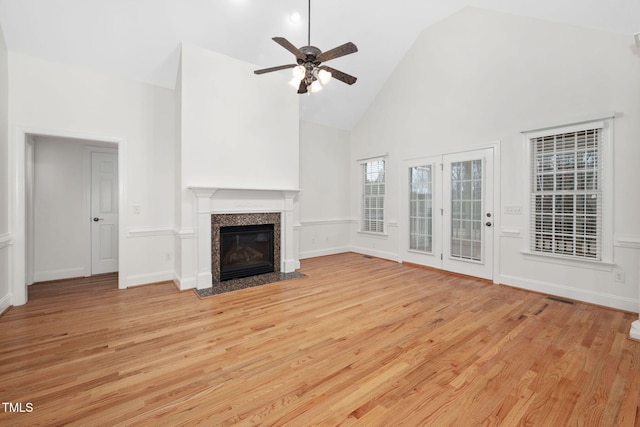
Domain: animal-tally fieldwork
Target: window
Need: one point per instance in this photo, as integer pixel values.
(372, 219)
(421, 208)
(567, 192)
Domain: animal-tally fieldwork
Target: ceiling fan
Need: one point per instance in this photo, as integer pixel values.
(308, 73)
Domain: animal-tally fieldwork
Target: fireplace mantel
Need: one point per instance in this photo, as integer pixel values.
(221, 200)
(212, 190)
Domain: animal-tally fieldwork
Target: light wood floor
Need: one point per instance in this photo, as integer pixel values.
(358, 341)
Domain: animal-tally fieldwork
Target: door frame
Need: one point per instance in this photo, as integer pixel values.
(497, 202)
(21, 240)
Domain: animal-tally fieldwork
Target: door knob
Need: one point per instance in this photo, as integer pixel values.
(488, 223)
(96, 219)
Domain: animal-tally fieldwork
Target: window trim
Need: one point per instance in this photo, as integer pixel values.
(605, 122)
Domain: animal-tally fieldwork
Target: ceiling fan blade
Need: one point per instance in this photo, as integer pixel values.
(303, 87)
(268, 70)
(336, 74)
(290, 47)
(337, 52)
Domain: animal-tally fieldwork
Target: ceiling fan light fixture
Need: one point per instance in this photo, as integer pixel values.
(324, 76)
(316, 86)
(299, 72)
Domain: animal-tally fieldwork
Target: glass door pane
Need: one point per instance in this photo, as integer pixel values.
(421, 208)
(466, 210)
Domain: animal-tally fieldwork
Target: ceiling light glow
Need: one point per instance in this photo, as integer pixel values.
(295, 17)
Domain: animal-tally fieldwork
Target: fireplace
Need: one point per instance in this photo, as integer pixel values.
(246, 250)
(244, 245)
(217, 207)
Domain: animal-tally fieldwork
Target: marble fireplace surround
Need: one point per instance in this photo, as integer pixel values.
(212, 201)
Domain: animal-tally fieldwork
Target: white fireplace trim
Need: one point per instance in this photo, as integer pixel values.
(217, 200)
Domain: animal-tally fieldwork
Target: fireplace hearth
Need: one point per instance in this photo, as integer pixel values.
(246, 250)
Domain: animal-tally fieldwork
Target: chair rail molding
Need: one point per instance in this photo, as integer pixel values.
(627, 241)
(6, 240)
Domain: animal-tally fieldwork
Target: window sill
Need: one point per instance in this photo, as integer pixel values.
(569, 262)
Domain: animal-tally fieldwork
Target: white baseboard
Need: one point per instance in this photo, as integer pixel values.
(290, 265)
(391, 256)
(5, 302)
(634, 332)
(63, 273)
(598, 298)
(324, 252)
(145, 279)
(184, 283)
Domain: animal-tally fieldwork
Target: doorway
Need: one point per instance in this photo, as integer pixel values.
(450, 212)
(68, 182)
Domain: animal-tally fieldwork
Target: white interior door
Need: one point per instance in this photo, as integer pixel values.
(104, 212)
(468, 213)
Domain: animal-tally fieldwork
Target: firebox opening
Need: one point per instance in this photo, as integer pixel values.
(246, 250)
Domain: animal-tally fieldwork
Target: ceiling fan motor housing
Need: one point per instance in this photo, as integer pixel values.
(311, 52)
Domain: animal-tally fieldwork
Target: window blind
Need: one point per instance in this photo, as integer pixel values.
(566, 194)
(373, 191)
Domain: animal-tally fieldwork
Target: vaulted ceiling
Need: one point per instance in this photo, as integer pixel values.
(140, 39)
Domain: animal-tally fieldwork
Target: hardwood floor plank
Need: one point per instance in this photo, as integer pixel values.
(358, 341)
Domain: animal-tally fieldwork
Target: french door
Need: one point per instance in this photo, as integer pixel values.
(468, 213)
(450, 213)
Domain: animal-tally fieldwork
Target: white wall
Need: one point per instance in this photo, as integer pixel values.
(481, 76)
(48, 98)
(5, 237)
(324, 197)
(237, 130)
